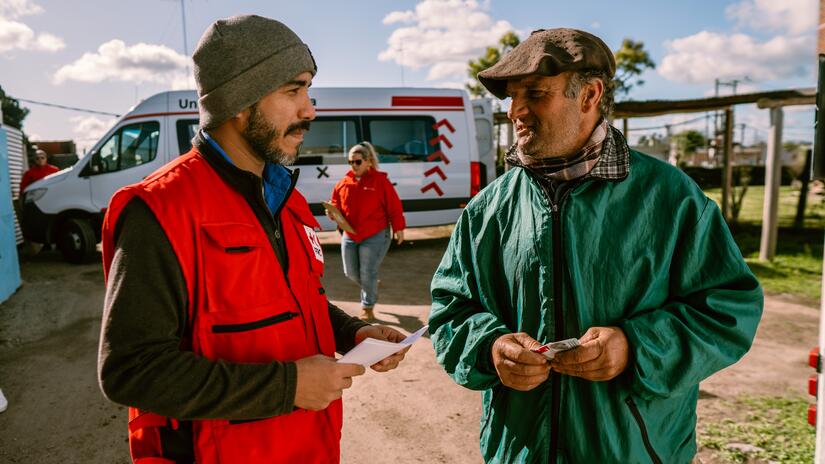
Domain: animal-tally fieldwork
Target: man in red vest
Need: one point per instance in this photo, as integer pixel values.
(217, 332)
(41, 169)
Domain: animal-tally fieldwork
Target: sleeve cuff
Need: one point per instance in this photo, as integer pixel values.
(485, 354)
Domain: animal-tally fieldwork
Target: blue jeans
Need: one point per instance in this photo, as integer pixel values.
(361, 262)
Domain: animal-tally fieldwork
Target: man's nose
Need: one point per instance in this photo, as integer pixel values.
(517, 110)
(307, 110)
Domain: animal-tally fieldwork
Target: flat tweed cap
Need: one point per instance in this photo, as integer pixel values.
(241, 59)
(549, 52)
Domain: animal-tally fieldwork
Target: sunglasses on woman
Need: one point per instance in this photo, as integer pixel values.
(355, 162)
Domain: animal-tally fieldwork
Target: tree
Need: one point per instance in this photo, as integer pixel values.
(650, 140)
(491, 56)
(13, 114)
(687, 142)
(631, 61)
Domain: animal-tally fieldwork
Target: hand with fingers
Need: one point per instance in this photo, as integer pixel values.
(517, 366)
(399, 236)
(603, 355)
(321, 380)
(382, 332)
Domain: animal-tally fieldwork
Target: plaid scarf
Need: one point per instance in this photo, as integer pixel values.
(604, 156)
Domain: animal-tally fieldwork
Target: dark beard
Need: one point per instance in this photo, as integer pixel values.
(261, 136)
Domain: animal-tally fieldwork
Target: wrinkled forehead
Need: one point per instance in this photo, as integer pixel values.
(536, 81)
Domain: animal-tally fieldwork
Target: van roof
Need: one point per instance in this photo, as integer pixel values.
(179, 102)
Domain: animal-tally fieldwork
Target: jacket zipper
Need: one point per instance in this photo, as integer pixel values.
(558, 313)
(645, 437)
(247, 326)
(561, 192)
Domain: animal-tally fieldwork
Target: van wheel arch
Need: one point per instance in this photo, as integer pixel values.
(76, 236)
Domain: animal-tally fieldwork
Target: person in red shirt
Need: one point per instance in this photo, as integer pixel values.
(41, 169)
(371, 205)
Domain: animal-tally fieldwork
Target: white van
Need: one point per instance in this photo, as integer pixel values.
(435, 144)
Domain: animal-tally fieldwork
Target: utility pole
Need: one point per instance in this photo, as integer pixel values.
(185, 46)
(733, 83)
(183, 28)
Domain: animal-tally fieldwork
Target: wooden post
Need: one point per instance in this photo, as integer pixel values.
(805, 178)
(625, 128)
(727, 166)
(773, 175)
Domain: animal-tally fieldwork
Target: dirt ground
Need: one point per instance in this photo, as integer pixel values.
(48, 343)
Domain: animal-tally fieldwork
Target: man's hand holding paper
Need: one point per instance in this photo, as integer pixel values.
(381, 332)
(380, 347)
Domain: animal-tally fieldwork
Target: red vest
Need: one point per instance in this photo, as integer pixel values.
(242, 308)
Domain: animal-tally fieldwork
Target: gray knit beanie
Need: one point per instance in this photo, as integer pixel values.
(241, 59)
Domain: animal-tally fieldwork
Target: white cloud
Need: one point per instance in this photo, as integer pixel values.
(705, 56)
(442, 35)
(786, 16)
(16, 8)
(89, 129)
(405, 17)
(16, 35)
(139, 63)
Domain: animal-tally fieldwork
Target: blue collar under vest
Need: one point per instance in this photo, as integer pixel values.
(276, 178)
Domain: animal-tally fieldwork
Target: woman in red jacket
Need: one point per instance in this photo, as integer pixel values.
(370, 204)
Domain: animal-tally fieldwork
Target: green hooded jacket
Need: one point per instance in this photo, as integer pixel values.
(650, 254)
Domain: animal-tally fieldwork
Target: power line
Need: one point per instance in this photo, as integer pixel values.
(631, 129)
(63, 107)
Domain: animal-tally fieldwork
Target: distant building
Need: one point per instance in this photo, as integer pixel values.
(655, 147)
(62, 153)
(754, 155)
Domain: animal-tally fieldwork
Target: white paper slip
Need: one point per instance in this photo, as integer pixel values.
(370, 351)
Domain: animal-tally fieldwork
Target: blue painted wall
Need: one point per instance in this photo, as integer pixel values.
(9, 264)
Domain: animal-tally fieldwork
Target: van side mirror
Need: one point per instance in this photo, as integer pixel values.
(94, 163)
(92, 167)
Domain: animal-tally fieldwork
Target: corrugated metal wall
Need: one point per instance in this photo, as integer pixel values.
(18, 163)
(9, 263)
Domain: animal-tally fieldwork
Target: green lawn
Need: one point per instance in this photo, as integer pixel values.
(797, 268)
(776, 425)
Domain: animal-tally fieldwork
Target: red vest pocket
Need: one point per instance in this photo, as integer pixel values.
(306, 437)
(272, 332)
(144, 437)
(235, 257)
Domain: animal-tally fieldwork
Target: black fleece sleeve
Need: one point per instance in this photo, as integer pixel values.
(140, 360)
(344, 327)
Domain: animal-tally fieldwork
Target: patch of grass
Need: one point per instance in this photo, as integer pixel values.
(778, 425)
(797, 267)
(788, 198)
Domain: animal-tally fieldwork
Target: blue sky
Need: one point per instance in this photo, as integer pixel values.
(106, 55)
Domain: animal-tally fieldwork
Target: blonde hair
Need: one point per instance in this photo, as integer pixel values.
(367, 152)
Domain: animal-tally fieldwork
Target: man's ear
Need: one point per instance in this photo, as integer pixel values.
(240, 120)
(591, 95)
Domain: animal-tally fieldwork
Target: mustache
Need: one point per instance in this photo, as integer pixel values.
(296, 126)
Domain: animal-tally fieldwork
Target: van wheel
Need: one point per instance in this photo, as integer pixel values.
(76, 240)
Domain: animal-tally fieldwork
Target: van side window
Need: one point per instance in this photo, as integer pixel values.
(402, 138)
(186, 129)
(131, 146)
(328, 140)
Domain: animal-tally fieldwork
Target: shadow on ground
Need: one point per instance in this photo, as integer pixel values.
(405, 274)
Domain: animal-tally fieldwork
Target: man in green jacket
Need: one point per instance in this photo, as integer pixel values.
(585, 238)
